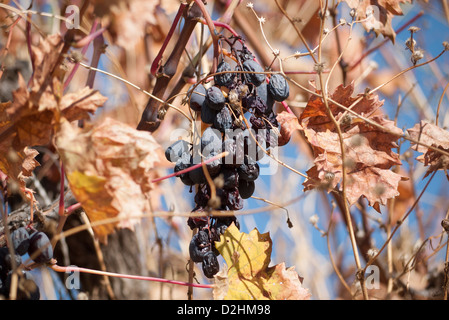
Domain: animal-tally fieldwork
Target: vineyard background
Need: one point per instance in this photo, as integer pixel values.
(317, 242)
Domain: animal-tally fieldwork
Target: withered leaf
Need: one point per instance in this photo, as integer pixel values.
(289, 123)
(248, 276)
(368, 150)
(106, 166)
(30, 119)
(434, 136)
(377, 15)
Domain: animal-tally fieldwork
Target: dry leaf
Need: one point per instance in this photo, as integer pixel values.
(289, 123)
(368, 150)
(248, 276)
(434, 136)
(30, 119)
(107, 166)
(377, 15)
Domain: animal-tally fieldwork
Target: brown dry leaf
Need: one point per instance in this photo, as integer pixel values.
(289, 123)
(126, 20)
(248, 276)
(109, 169)
(434, 136)
(368, 150)
(377, 15)
(30, 119)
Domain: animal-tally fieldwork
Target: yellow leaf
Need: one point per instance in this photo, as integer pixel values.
(248, 276)
(89, 191)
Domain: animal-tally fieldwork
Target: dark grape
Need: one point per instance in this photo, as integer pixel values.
(183, 163)
(236, 154)
(198, 97)
(278, 87)
(39, 242)
(234, 201)
(197, 176)
(230, 178)
(262, 92)
(223, 120)
(208, 115)
(211, 142)
(257, 123)
(256, 103)
(198, 247)
(255, 78)
(9, 261)
(222, 223)
(246, 188)
(215, 98)
(197, 222)
(226, 78)
(225, 106)
(202, 197)
(210, 264)
(20, 240)
(174, 152)
(249, 170)
(213, 167)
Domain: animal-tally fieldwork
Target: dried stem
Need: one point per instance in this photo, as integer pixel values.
(57, 268)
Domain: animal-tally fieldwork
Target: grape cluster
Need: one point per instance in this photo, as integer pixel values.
(225, 106)
(24, 240)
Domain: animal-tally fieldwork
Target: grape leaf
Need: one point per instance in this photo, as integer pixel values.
(368, 150)
(30, 119)
(377, 15)
(248, 276)
(434, 136)
(289, 123)
(106, 166)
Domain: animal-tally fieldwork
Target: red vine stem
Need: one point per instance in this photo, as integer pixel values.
(72, 208)
(8, 42)
(57, 268)
(156, 62)
(212, 31)
(85, 44)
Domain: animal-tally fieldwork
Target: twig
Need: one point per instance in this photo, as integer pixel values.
(57, 268)
(359, 275)
(373, 49)
(439, 103)
(399, 223)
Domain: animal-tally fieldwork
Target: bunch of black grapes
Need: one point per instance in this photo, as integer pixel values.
(238, 107)
(23, 240)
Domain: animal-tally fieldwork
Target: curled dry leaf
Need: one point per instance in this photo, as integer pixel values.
(106, 166)
(29, 120)
(434, 136)
(378, 15)
(289, 123)
(248, 276)
(368, 150)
